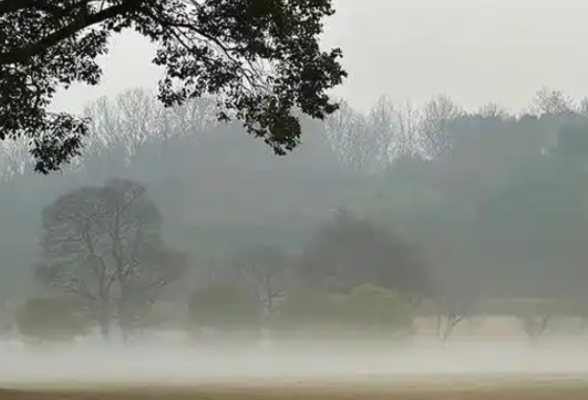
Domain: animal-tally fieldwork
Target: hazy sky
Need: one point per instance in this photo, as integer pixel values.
(472, 50)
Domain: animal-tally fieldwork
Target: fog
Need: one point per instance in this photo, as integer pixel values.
(437, 245)
(442, 210)
(157, 365)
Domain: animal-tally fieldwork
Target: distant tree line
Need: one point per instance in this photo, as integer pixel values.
(439, 208)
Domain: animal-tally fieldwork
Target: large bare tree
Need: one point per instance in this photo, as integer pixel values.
(104, 245)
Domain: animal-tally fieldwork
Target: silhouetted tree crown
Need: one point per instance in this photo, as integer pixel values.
(103, 245)
(350, 251)
(260, 58)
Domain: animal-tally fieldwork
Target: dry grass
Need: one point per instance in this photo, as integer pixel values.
(300, 391)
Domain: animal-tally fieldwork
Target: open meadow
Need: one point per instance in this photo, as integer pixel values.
(483, 390)
(454, 371)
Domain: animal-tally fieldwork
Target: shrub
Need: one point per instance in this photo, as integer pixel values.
(378, 310)
(50, 320)
(226, 310)
(364, 311)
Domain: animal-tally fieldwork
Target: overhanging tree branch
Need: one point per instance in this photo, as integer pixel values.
(21, 55)
(260, 60)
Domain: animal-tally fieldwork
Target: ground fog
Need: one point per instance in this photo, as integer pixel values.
(160, 364)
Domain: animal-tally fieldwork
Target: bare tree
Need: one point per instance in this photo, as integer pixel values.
(535, 315)
(345, 128)
(140, 113)
(408, 126)
(550, 102)
(262, 269)
(14, 157)
(110, 136)
(382, 122)
(436, 116)
(104, 245)
(493, 110)
(450, 312)
(454, 299)
(394, 131)
(534, 326)
(194, 116)
(125, 122)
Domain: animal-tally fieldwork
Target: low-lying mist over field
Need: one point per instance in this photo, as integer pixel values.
(303, 362)
(300, 202)
(467, 261)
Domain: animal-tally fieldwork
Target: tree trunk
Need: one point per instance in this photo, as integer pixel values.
(104, 320)
(104, 326)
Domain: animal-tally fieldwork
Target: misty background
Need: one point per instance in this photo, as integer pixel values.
(454, 172)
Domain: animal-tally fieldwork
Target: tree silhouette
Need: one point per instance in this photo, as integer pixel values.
(350, 251)
(103, 245)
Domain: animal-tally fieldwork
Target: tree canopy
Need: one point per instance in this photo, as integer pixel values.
(350, 251)
(260, 59)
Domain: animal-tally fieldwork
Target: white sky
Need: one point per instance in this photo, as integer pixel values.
(472, 50)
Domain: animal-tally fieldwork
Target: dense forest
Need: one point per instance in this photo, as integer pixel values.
(430, 198)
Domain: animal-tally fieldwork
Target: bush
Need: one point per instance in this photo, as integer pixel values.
(378, 310)
(364, 311)
(350, 251)
(226, 310)
(50, 320)
(305, 309)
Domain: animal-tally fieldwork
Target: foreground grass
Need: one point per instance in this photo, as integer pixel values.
(539, 391)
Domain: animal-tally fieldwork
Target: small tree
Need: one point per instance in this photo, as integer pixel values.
(534, 316)
(449, 314)
(264, 271)
(550, 102)
(453, 303)
(50, 319)
(436, 117)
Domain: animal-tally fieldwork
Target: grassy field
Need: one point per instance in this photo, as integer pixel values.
(458, 370)
(299, 391)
